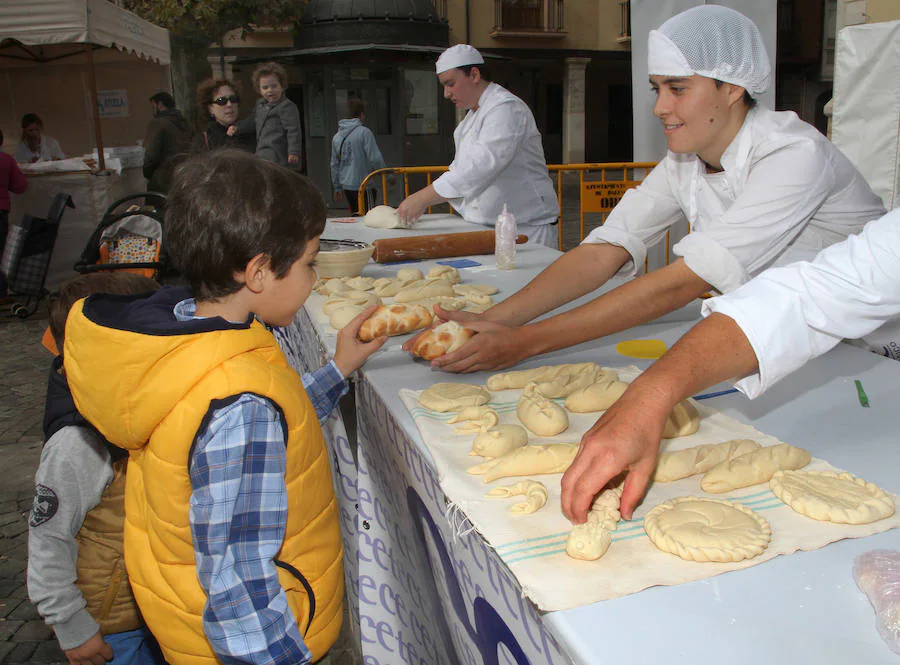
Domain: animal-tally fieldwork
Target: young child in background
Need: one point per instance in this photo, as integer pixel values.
(275, 119)
(232, 540)
(76, 567)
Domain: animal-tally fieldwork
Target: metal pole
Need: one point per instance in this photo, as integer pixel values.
(92, 84)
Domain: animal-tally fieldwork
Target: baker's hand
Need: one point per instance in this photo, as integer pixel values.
(441, 315)
(625, 438)
(96, 651)
(495, 346)
(412, 207)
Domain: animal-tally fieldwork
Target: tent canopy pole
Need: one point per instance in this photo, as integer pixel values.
(92, 84)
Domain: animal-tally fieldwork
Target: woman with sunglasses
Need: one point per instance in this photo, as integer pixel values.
(220, 99)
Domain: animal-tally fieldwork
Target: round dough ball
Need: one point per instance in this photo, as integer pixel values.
(408, 275)
(382, 217)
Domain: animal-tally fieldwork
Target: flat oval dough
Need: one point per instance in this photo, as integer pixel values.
(699, 459)
(522, 377)
(683, 421)
(535, 494)
(597, 396)
(443, 397)
(341, 316)
(832, 497)
(539, 414)
(753, 468)
(499, 440)
(588, 541)
(382, 217)
(530, 460)
(696, 529)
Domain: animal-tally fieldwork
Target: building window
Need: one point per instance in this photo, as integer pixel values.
(624, 21)
(512, 17)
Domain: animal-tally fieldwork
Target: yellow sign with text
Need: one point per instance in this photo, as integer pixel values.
(603, 196)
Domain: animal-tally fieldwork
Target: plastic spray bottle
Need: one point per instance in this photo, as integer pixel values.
(505, 240)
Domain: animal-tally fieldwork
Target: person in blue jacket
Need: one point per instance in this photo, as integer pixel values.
(354, 155)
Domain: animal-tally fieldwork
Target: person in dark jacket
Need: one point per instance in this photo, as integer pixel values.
(168, 139)
(220, 99)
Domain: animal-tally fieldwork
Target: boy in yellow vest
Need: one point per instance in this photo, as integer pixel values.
(76, 569)
(231, 534)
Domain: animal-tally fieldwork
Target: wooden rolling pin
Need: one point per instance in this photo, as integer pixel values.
(438, 246)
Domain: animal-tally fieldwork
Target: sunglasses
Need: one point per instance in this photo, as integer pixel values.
(222, 101)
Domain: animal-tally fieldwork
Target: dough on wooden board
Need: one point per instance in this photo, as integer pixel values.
(539, 414)
(408, 275)
(535, 494)
(382, 217)
(683, 421)
(699, 459)
(529, 460)
(443, 397)
(430, 289)
(499, 440)
(521, 378)
(696, 529)
(482, 418)
(447, 273)
(753, 468)
(832, 497)
(342, 316)
(598, 396)
(396, 319)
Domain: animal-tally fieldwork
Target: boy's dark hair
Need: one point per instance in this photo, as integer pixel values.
(227, 206)
(485, 72)
(355, 107)
(31, 119)
(163, 98)
(118, 283)
(270, 69)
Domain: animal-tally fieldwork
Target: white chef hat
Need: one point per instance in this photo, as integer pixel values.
(460, 55)
(712, 41)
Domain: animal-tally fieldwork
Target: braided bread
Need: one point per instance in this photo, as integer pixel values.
(442, 339)
(396, 319)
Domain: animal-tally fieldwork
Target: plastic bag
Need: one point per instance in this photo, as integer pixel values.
(877, 574)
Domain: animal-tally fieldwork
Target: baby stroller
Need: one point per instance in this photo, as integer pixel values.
(26, 257)
(129, 237)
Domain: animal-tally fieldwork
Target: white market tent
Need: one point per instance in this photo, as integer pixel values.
(47, 31)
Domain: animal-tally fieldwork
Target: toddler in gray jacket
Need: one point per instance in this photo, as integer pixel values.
(275, 119)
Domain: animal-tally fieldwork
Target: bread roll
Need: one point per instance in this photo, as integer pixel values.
(396, 319)
(440, 340)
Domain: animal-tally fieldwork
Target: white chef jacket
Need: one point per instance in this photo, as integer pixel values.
(49, 150)
(798, 312)
(786, 192)
(499, 159)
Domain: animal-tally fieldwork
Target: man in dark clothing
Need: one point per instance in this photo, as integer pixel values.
(168, 140)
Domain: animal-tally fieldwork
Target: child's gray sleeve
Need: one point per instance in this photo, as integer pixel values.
(290, 120)
(74, 471)
(247, 126)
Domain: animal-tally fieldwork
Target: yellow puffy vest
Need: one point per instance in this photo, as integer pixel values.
(152, 400)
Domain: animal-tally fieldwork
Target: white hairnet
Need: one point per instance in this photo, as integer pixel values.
(711, 41)
(460, 55)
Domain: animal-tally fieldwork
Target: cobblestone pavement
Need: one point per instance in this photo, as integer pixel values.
(24, 638)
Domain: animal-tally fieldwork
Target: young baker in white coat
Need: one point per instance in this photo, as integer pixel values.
(499, 156)
(759, 188)
(759, 333)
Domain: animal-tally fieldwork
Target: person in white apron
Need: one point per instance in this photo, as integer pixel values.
(758, 188)
(759, 333)
(499, 155)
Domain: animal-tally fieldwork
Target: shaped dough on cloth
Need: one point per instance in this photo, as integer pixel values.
(386, 287)
(471, 413)
(482, 422)
(832, 497)
(588, 541)
(605, 508)
(429, 289)
(699, 459)
(441, 340)
(382, 217)
(530, 460)
(447, 273)
(342, 316)
(408, 275)
(683, 421)
(521, 378)
(598, 396)
(356, 298)
(753, 468)
(535, 494)
(565, 385)
(539, 414)
(698, 529)
(396, 319)
(499, 440)
(443, 397)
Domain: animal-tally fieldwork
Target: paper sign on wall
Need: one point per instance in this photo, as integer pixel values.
(112, 103)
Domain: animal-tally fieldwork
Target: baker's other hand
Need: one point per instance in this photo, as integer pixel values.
(626, 438)
(495, 346)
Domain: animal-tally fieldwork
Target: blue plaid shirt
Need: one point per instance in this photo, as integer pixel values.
(238, 514)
